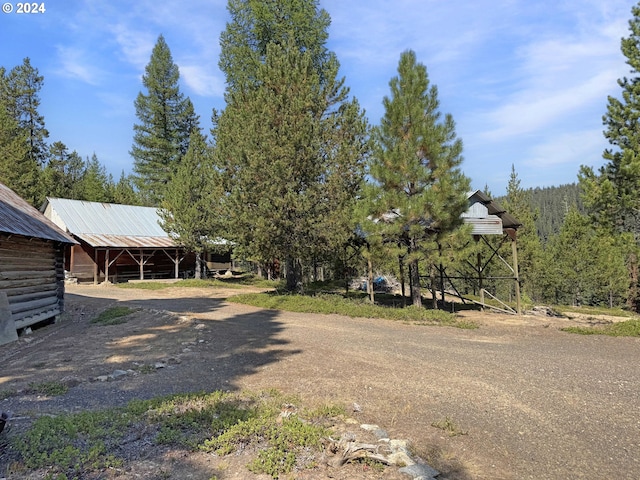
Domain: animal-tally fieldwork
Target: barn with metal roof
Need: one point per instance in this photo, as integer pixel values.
(32, 252)
(117, 242)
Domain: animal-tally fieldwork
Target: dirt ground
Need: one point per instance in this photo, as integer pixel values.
(527, 400)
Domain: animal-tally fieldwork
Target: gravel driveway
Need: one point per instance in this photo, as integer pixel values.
(527, 400)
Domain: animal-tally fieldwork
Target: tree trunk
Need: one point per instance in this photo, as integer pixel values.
(198, 273)
(402, 285)
(370, 280)
(434, 289)
(632, 296)
(294, 274)
(414, 273)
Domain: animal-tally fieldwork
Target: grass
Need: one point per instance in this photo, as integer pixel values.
(349, 306)
(50, 389)
(113, 316)
(231, 282)
(627, 328)
(593, 310)
(7, 393)
(81, 445)
(448, 425)
(355, 304)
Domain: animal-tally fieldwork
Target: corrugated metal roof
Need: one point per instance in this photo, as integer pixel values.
(108, 224)
(123, 241)
(19, 218)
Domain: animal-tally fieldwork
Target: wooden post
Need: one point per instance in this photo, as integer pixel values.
(106, 265)
(177, 263)
(480, 283)
(141, 265)
(95, 266)
(514, 250)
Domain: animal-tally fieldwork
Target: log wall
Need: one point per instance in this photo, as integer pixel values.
(32, 276)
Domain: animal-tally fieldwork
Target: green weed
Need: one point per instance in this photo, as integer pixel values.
(7, 394)
(449, 426)
(50, 389)
(628, 328)
(146, 285)
(82, 444)
(231, 282)
(594, 310)
(113, 316)
(351, 307)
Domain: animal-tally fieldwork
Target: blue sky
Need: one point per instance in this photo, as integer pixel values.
(526, 82)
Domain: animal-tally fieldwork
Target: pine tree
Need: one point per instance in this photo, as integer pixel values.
(587, 265)
(517, 203)
(13, 152)
(189, 207)
(418, 191)
(290, 143)
(124, 192)
(62, 177)
(167, 119)
(255, 24)
(96, 185)
(611, 195)
(19, 96)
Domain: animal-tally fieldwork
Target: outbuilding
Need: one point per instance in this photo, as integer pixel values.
(118, 242)
(32, 250)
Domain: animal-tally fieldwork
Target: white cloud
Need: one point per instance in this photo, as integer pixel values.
(75, 65)
(534, 109)
(202, 81)
(575, 148)
(557, 78)
(135, 46)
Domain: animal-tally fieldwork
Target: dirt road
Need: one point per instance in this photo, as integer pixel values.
(527, 400)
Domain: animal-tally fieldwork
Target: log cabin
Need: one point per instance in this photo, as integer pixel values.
(32, 276)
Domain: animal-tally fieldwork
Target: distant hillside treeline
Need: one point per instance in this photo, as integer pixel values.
(550, 206)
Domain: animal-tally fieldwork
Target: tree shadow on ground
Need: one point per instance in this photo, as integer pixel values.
(161, 352)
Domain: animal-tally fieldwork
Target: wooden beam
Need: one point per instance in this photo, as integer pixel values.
(142, 262)
(106, 265)
(514, 250)
(95, 266)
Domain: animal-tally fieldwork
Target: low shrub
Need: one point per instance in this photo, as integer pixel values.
(351, 307)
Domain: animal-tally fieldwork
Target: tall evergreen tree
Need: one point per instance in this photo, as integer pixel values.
(167, 119)
(19, 96)
(255, 24)
(518, 203)
(418, 190)
(189, 207)
(13, 154)
(290, 144)
(62, 177)
(586, 264)
(22, 86)
(96, 184)
(611, 195)
(124, 192)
